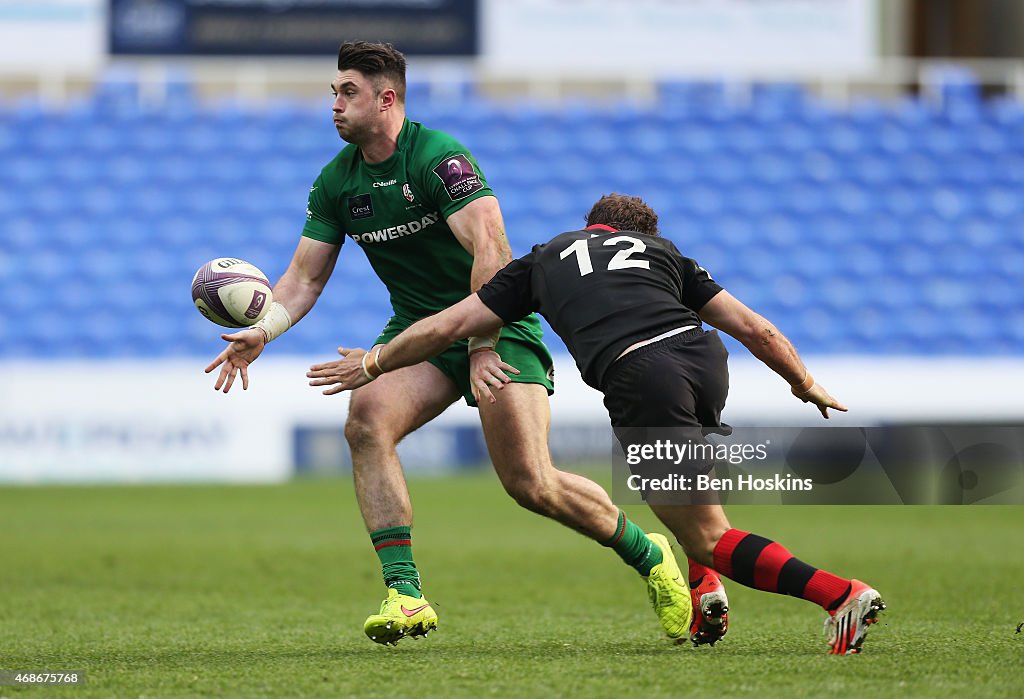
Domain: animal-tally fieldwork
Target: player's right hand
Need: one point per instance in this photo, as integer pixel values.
(817, 395)
(243, 349)
(345, 374)
(487, 371)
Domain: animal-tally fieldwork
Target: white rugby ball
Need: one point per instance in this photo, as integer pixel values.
(231, 292)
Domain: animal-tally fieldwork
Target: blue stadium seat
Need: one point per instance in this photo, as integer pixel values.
(942, 139)
(1001, 202)
(685, 97)
(912, 112)
(723, 169)
(902, 202)
(743, 137)
(955, 83)
(894, 139)
(703, 200)
(676, 169)
(820, 166)
(698, 138)
(21, 297)
(874, 170)
(803, 198)
(26, 170)
(844, 137)
(869, 113)
(1004, 111)
(10, 203)
(952, 203)
(597, 140)
(547, 140)
(10, 139)
(990, 140)
(790, 201)
(752, 200)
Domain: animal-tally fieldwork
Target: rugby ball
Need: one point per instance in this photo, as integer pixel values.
(231, 292)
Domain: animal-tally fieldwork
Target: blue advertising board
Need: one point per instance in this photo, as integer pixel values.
(290, 27)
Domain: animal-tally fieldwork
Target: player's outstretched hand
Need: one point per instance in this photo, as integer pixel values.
(343, 374)
(487, 371)
(243, 349)
(819, 396)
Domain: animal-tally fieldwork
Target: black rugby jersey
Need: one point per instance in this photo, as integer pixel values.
(602, 290)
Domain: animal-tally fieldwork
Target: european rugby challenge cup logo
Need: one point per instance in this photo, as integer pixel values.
(459, 176)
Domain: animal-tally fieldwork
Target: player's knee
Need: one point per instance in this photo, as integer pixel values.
(535, 494)
(363, 433)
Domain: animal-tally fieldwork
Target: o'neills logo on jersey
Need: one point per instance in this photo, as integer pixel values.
(385, 234)
(385, 184)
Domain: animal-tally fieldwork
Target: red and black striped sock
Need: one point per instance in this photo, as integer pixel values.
(760, 563)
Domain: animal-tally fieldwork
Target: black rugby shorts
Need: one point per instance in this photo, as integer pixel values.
(674, 389)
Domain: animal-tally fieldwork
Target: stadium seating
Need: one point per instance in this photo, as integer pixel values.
(875, 228)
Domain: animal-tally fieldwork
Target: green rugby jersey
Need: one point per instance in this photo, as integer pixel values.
(396, 212)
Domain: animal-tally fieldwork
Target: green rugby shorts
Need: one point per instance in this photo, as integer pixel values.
(517, 346)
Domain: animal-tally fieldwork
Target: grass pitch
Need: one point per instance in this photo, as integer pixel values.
(262, 591)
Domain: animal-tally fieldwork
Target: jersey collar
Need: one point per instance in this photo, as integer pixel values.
(602, 227)
(388, 164)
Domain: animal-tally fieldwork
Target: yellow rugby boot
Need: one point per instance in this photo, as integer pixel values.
(400, 616)
(670, 593)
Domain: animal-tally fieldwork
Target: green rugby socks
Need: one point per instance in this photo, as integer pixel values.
(394, 548)
(633, 546)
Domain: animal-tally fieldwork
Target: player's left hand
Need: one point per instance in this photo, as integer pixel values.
(344, 374)
(819, 396)
(487, 371)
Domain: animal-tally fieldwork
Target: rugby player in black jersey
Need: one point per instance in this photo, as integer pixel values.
(630, 307)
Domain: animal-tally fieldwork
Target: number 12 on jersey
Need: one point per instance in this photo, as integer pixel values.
(621, 259)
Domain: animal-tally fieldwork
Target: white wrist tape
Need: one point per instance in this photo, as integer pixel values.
(486, 342)
(804, 387)
(366, 372)
(275, 323)
(375, 356)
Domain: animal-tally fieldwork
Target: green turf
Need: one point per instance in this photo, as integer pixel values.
(262, 591)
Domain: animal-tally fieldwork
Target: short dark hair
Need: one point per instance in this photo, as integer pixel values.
(379, 62)
(624, 213)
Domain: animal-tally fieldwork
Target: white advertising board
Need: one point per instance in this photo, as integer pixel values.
(147, 421)
(162, 421)
(664, 39)
(67, 36)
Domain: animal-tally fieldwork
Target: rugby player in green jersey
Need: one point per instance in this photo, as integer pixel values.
(417, 203)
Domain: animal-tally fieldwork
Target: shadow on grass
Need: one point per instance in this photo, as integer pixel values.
(414, 652)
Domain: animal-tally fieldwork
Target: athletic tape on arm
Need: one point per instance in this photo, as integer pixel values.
(275, 323)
